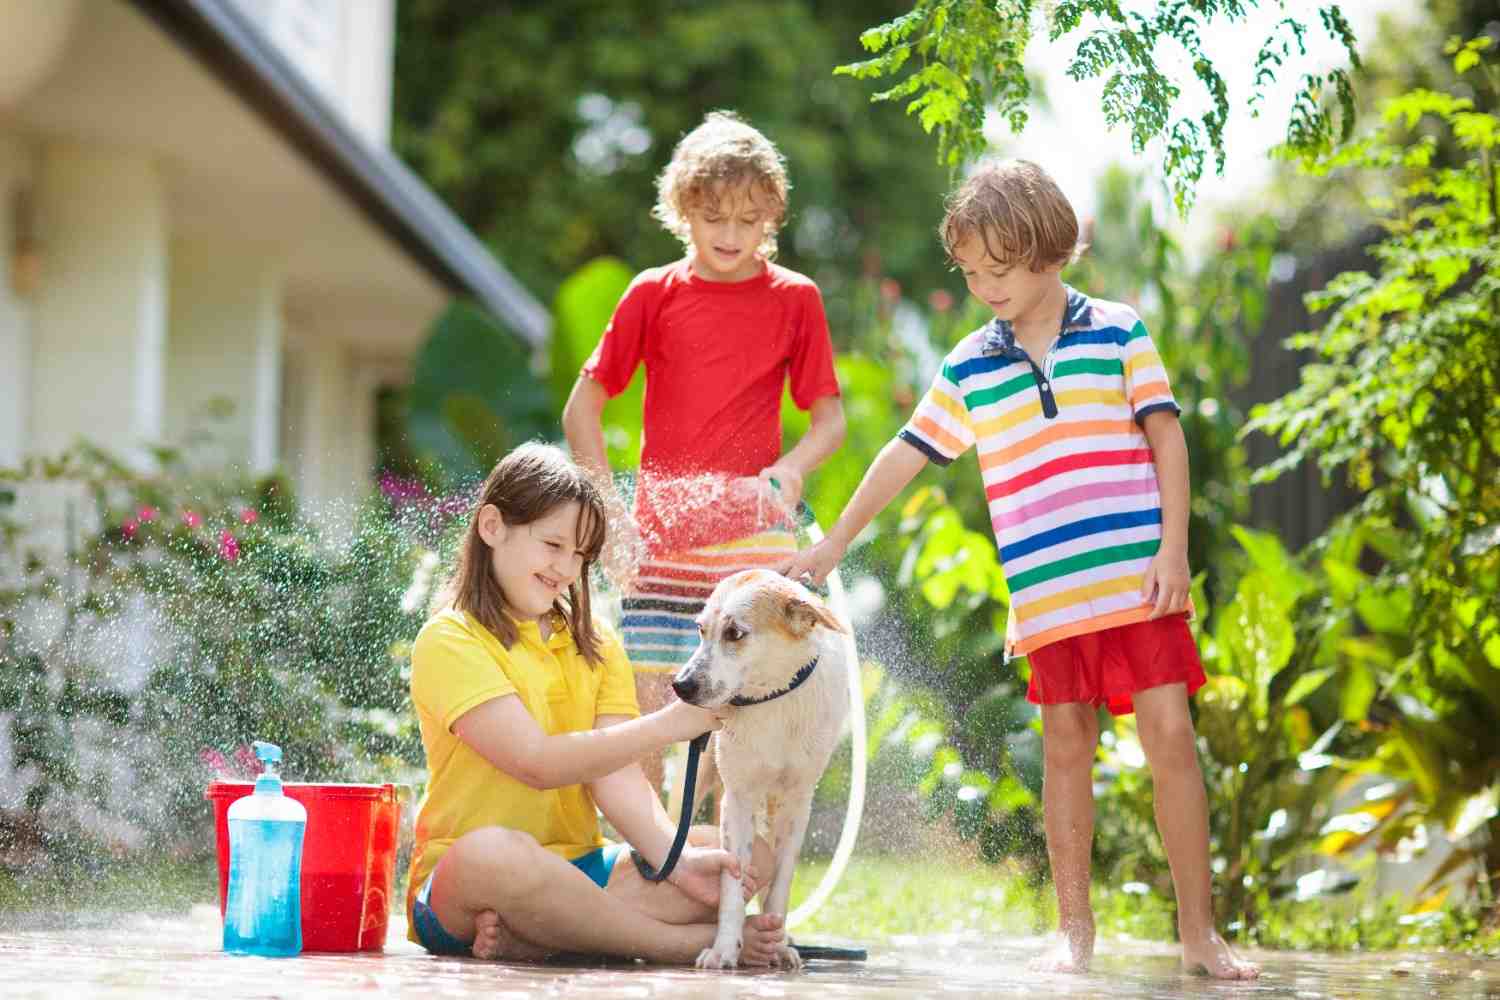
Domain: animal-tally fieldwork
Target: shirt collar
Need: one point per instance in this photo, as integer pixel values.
(532, 633)
(1000, 337)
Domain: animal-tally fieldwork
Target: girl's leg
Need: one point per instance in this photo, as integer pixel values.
(1070, 736)
(1165, 727)
(544, 902)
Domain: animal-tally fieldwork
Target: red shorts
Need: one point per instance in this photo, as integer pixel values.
(1108, 667)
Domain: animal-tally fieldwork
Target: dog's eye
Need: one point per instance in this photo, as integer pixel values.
(734, 633)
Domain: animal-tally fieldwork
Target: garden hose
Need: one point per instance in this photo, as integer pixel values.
(838, 599)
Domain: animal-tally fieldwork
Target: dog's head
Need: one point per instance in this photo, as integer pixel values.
(755, 633)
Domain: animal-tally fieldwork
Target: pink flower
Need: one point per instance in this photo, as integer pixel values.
(245, 761)
(399, 489)
(890, 289)
(229, 546)
(215, 761)
(249, 515)
(191, 519)
(128, 529)
(147, 514)
(940, 300)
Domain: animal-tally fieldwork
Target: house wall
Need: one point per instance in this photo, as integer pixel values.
(15, 310)
(368, 52)
(224, 344)
(328, 423)
(100, 316)
(344, 47)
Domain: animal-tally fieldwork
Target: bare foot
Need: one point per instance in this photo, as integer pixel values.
(763, 940)
(1071, 950)
(1209, 955)
(494, 940)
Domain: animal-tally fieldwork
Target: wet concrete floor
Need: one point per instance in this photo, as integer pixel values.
(148, 956)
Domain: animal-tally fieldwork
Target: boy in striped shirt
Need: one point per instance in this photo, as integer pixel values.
(1086, 472)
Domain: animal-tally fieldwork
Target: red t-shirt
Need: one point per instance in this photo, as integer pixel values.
(717, 357)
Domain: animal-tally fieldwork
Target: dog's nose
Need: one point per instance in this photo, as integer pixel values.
(686, 687)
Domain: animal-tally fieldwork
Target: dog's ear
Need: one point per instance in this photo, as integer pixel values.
(804, 616)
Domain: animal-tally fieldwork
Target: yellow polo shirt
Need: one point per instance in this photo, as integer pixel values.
(458, 664)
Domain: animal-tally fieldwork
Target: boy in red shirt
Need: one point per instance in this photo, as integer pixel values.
(721, 332)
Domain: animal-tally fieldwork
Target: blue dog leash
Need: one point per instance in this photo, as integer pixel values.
(695, 750)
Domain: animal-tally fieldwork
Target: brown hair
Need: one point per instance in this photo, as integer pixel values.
(526, 486)
(723, 150)
(1018, 211)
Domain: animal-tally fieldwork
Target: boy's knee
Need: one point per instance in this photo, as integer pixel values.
(1170, 743)
(1070, 735)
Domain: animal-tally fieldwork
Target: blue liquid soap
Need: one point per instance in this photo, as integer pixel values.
(263, 910)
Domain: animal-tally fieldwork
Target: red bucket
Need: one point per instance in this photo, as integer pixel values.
(348, 859)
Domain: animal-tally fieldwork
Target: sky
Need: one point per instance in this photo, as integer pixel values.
(1052, 137)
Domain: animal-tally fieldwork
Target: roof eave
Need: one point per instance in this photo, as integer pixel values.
(246, 62)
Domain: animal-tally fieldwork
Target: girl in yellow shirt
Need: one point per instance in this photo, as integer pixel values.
(529, 720)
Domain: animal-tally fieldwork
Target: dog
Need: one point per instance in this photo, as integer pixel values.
(771, 650)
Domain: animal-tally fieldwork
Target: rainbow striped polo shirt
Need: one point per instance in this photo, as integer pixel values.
(1067, 469)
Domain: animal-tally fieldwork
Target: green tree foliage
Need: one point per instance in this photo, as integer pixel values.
(473, 396)
(964, 57)
(582, 309)
(545, 125)
(1402, 399)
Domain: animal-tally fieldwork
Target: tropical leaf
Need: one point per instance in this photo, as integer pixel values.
(582, 309)
(474, 395)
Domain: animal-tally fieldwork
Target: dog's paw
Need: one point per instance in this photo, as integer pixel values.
(718, 958)
(786, 957)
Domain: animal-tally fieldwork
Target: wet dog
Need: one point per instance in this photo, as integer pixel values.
(770, 648)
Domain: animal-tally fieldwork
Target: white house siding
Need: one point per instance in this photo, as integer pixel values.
(365, 73)
(224, 343)
(101, 311)
(342, 46)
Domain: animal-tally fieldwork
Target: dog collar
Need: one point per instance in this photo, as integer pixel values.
(798, 678)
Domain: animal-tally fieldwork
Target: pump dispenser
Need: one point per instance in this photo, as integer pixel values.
(263, 911)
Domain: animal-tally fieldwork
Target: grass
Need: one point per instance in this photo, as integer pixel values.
(132, 884)
(883, 896)
(888, 895)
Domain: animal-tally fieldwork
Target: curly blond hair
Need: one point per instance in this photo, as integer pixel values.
(1018, 211)
(724, 150)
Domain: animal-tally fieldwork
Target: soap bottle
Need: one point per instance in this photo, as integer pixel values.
(263, 911)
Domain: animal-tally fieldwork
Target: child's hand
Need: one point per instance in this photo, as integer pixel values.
(1167, 582)
(789, 492)
(812, 566)
(681, 721)
(697, 874)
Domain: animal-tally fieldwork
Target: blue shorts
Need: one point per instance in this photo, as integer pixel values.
(596, 864)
